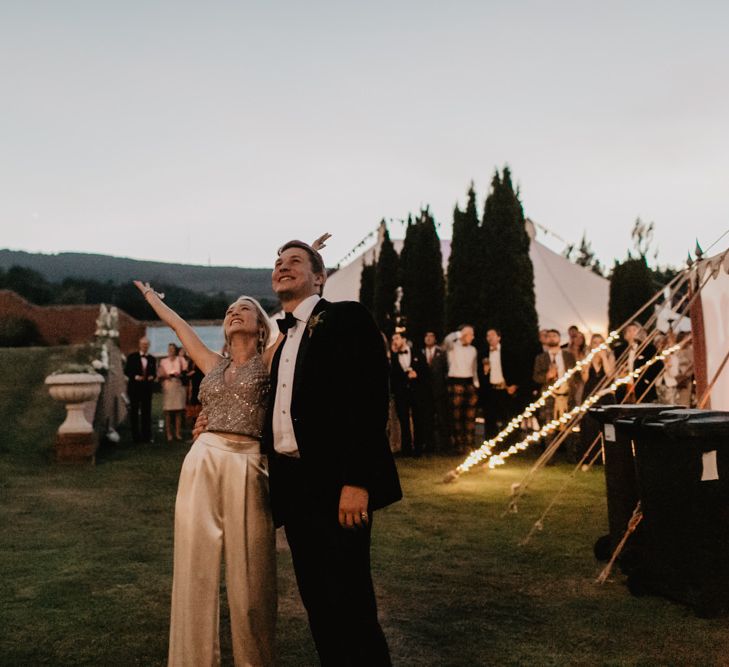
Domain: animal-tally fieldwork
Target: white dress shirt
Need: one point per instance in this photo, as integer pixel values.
(284, 439)
(496, 374)
(462, 359)
(405, 358)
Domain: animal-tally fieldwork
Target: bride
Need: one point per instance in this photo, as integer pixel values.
(222, 505)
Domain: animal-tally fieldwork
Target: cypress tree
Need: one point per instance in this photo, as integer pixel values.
(422, 279)
(507, 299)
(367, 285)
(631, 285)
(386, 283)
(406, 268)
(464, 266)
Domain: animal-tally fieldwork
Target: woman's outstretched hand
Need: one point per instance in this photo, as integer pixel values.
(145, 288)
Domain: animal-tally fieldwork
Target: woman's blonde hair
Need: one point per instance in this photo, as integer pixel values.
(264, 324)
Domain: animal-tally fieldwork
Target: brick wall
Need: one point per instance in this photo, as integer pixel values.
(64, 325)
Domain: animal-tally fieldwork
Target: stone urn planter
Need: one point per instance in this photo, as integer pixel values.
(76, 441)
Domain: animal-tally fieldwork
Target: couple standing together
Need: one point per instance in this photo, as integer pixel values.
(291, 434)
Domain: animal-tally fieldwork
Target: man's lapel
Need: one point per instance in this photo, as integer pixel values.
(303, 347)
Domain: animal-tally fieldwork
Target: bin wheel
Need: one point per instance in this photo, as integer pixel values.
(637, 585)
(603, 548)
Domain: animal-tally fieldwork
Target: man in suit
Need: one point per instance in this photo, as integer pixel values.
(550, 365)
(436, 382)
(330, 462)
(141, 371)
(498, 390)
(643, 390)
(407, 382)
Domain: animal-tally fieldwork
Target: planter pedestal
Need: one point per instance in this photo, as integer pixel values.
(76, 441)
(76, 447)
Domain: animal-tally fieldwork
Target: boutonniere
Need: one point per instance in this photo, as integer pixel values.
(314, 322)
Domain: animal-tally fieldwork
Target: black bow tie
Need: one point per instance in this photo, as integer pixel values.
(286, 323)
(404, 352)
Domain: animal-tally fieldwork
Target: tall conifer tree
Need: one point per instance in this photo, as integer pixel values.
(464, 266)
(367, 285)
(508, 299)
(631, 285)
(422, 279)
(386, 283)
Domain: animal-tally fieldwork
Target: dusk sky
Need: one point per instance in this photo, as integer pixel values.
(212, 132)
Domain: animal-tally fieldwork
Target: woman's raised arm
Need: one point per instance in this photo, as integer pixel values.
(200, 353)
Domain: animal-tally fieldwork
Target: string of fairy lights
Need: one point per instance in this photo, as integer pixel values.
(485, 452)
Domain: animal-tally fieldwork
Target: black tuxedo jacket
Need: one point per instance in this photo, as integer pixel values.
(134, 367)
(400, 383)
(508, 363)
(437, 371)
(339, 409)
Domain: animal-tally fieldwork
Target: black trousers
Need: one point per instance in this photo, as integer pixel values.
(140, 415)
(413, 402)
(332, 567)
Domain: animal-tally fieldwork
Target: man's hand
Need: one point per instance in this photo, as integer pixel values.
(201, 424)
(353, 507)
(511, 389)
(412, 375)
(138, 378)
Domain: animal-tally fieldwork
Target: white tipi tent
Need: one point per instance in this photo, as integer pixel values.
(566, 293)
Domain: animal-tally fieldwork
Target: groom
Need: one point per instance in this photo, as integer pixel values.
(330, 463)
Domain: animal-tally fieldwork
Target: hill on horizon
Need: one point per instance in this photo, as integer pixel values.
(210, 280)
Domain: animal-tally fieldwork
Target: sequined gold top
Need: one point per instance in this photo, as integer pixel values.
(238, 406)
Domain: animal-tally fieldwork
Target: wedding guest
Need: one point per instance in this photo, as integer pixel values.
(548, 367)
(643, 389)
(595, 376)
(685, 377)
(141, 371)
(193, 405)
(408, 389)
(436, 379)
(498, 391)
(578, 347)
(463, 384)
(222, 509)
(170, 371)
(543, 336)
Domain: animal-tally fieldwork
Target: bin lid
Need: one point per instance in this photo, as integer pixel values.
(690, 423)
(607, 414)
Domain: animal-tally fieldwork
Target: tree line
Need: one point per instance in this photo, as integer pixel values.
(191, 305)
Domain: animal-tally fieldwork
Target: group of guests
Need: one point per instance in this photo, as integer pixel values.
(438, 390)
(176, 375)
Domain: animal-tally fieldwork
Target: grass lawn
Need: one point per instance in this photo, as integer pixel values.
(86, 553)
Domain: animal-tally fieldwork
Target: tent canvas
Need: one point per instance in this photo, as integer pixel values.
(712, 318)
(566, 293)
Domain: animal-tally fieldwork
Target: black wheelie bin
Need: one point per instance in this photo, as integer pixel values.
(620, 478)
(682, 463)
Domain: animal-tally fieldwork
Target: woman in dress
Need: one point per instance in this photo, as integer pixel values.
(170, 371)
(222, 506)
(593, 376)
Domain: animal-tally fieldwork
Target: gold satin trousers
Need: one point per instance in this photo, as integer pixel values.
(223, 510)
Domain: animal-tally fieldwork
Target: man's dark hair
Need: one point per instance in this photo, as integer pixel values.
(461, 327)
(498, 331)
(555, 331)
(575, 327)
(317, 263)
